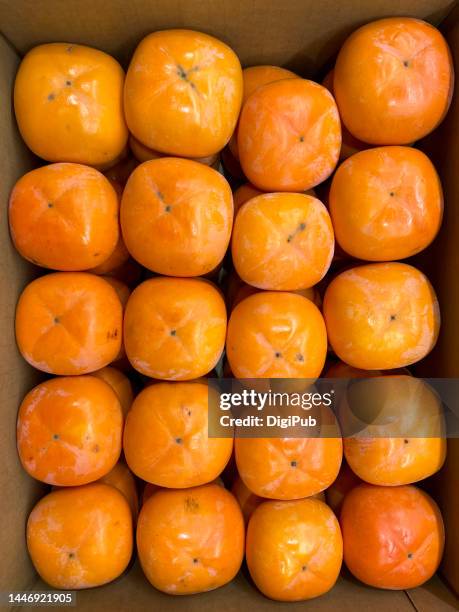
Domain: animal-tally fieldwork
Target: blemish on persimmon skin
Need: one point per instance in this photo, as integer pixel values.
(301, 138)
(173, 332)
(410, 555)
(178, 440)
(293, 464)
(50, 205)
(57, 320)
(68, 83)
(393, 317)
(277, 355)
(168, 208)
(191, 505)
(56, 436)
(71, 555)
(299, 357)
(51, 96)
(304, 568)
(96, 448)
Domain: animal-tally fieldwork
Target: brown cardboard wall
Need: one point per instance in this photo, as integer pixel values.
(443, 269)
(301, 33)
(18, 491)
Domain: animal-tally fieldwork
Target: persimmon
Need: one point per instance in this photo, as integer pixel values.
(80, 537)
(120, 477)
(69, 323)
(183, 93)
(345, 482)
(350, 144)
(282, 241)
(294, 549)
(166, 437)
(311, 293)
(276, 335)
(254, 77)
(248, 501)
(64, 217)
(386, 444)
(393, 81)
(121, 171)
(288, 468)
(119, 256)
(68, 101)
(69, 430)
(393, 536)
(120, 384)
(289, 135)
(386, 203)
(243, 194)
(175, 328)
(143, 154)
(177, 227)
(190, 540)
(381, 316)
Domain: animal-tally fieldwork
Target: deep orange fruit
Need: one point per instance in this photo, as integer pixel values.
(183, 93)
(166, 438)
(381, 316)
(282, 241)
(276, 335)
(393, 536)
(80, 537)
(289, 135)
(175, 328)
(393, 80)
(69, 323)
(294, 549)
(69, 430)
(190, 540)
(177, 227)
(64, 217)
(68, 101)
(386, 203)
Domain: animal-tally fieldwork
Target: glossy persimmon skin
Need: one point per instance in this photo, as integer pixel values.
(243, 194)
(166, 438)
(345, 482)
(68, 101)
(69, 430)
(386, 203)
(121, 477)
(120, 384)
(393, 536)
(64, 217)
(394, 446)
(350, 144)
(254, 77)
(143, 154)
(183, 93)
(190, 540)
(282, 241)
(289, 136)
(381, 316)
(276, 335)
(69, 323)
(393, 81)
(80, 537)
(288, 468)
(175, 328)
(176, 216)
(247, 500)
(294, 549)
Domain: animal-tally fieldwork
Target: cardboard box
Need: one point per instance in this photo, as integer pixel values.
(303, 35)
